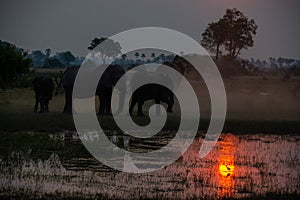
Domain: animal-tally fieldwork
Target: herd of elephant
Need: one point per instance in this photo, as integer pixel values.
(44, 87)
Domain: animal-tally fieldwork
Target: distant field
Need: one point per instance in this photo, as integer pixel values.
(254, 104)
(44, 71)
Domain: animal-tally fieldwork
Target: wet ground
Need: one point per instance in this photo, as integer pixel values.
(41, 165)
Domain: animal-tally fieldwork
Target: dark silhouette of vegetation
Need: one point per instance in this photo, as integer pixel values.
(108, 49)
(48, 52)
(232, 33)
(53, 63)
(13, 64)
(152, 55)
(143, 56)
(124, 56)
(213, 37)
(137, 55)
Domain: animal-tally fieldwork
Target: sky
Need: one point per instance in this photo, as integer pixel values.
(71, 24)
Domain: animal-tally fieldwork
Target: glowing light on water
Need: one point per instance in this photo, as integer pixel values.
(226, 165)
(226, 170)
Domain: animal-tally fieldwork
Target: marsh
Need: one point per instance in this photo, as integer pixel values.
(57, 165)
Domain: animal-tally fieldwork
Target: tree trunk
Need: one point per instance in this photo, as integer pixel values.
(238, 52)
(218, 49)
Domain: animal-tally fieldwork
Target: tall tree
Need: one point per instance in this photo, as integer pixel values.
(162, 57)
(12, 64)
(240, 31)
(136, 55)
(124, 56)
(108, 49)
(214, 36)
(143, 56)
(153, 55)
(48, 52)
(234, 32)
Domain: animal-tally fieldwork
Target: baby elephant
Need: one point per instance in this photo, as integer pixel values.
(43, 88)
(148, 92)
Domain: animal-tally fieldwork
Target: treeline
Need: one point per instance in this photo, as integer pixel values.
(58, 60)
(13, 65)
(273, 66)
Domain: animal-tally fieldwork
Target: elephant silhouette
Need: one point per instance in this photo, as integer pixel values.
(43, 88)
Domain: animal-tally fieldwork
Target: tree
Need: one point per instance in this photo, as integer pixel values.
(38, 58)
(12, 64)
(124, 56)
(53, 63)
(137, 55)
(65, 58)
(240, 31)
(108, 49)
(234, 32)
(213, 37)
(273, 63)
(152, 55)
(162, 57)
(143, 56)
(280, 61)
(48, 52)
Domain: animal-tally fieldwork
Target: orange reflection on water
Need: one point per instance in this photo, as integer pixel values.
(226, 166)
(226, 169)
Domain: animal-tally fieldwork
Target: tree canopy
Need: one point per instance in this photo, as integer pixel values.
(12, 64)
(108, 49)
(232, 33)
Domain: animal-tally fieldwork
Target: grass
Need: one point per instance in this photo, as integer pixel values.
(26, 195)
(244, 115)
(52, 122)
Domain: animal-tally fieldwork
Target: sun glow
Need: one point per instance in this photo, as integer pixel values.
(226, 169)
(226, 165)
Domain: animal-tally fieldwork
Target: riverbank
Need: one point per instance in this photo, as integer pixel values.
(56, 122)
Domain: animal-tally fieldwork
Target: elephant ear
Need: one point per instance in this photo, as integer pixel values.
(122, 86)
(177, 66)
(116, 72)
(106, 79)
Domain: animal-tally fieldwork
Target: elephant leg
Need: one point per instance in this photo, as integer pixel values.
(107, 105)
(169, 109)
(101, 106)
(170, 102)
(132, 104)
(68, 102)
(157, 101)
(140, 108)
(47, 106)
(42, 105)
(36, 104)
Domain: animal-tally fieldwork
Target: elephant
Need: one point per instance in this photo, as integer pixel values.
(43, 88)
(104, 88)
(155, 91)
(148, 92)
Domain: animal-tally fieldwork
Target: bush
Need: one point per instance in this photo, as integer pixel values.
(13, 65)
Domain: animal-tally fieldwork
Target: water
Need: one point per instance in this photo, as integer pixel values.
(57, 165)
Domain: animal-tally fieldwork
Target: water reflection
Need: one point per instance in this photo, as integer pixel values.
(40, 164)
(226, 165)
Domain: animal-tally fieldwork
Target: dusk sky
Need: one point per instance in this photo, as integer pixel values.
(70, 25)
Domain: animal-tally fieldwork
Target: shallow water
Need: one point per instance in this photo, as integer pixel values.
(40, 164)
